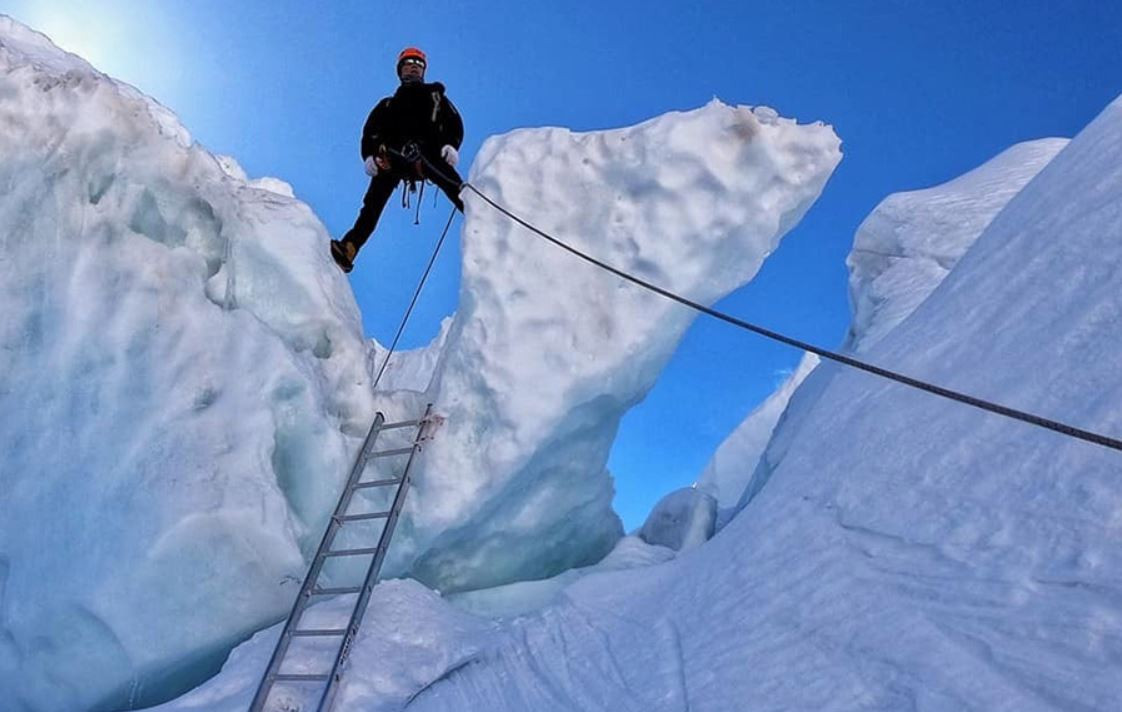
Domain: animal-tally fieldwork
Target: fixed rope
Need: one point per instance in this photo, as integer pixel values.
(413, 302)
(957, 396)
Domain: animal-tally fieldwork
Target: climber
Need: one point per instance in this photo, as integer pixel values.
(403, 135)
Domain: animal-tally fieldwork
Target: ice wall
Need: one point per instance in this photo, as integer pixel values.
(901, 253)
(546, 353)
(908, 552)
(185, 379)
(912, 240)
(728, 472)
(178, 362)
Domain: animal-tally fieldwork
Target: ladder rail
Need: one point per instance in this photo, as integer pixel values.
(375, 569)
(302, 599)
(309, 588)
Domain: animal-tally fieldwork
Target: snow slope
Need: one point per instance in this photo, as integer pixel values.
(731, 467)
(902, 251)
(912, 240)
(907, 553)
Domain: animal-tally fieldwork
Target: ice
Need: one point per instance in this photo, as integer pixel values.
(185, 380)
(912, 240)
(903, 552)
(180, 361)
(410, 639)
(546, 353)
(682, 520)
(902, 251)
(729, 471)
(906, 552)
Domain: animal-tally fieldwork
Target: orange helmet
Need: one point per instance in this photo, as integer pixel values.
(411, 53)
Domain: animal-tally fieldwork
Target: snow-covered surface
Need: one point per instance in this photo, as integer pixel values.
(909, 553)
(912, 240)
(179, 354)
(684, 519)
(731, 467)
(178, 360)
(547, 353)
(411, 637)
(515, 599)
(902, 251)
(185, 379)
(905, 552)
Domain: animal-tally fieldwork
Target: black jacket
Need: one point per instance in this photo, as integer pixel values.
(416, 112)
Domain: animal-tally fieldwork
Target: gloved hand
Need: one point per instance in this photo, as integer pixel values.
(450, 155)
(371, 166)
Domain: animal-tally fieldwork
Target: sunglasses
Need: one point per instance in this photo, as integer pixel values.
(414, 62)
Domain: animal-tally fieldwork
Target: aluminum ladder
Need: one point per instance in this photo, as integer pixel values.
(310, 589)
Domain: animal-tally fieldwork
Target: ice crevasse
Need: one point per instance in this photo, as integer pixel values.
(185, 378)
(903, 551)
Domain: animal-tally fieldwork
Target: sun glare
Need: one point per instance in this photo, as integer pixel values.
(91, 37)
(126, 40)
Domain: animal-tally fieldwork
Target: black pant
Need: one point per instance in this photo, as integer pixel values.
(382, 186)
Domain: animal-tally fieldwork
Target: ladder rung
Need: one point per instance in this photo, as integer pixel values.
(356, 517)
(319, 632)
(402, 424)
(294, 677)
(351, 552)
(377, 483)
(391, 453)
(334, 591)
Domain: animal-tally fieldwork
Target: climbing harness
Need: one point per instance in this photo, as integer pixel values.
(996, 408)
(411, 155)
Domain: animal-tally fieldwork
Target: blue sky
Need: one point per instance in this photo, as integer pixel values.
(920, 92)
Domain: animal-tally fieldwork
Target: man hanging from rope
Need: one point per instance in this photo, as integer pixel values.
(417, 121)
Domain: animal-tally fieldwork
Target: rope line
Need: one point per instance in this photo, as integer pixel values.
(413, 302)
(990, 406)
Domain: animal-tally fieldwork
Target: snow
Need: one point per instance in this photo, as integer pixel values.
(180, 363)
(729, 471)
(546, 353)
(684, 519)
(410, 638)
(912, 240)
(904, 553)
(902, 251)
(185, 378)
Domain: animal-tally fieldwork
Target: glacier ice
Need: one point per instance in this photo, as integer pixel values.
(906, 553)
(179, 363)
(546, 353)
(682, 520)
(729, 471)
(902, 251)
(410, 639)
(185, 376)
(912, 240)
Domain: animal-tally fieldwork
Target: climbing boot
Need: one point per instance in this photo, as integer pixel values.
(344, 253)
